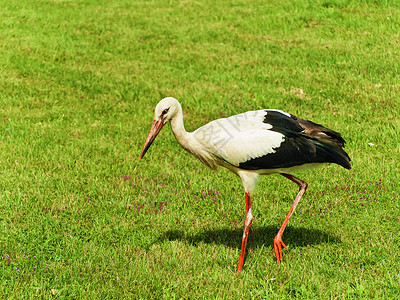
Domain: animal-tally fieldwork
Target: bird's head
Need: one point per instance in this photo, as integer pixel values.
(165, 110)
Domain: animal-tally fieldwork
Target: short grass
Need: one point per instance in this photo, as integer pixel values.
(81, 217)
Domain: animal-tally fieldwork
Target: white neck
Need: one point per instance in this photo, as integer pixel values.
(189, 142)
(179, 131)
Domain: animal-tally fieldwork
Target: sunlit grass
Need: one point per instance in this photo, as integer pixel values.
(82, 217)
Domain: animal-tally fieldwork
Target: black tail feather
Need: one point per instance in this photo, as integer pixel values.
(331, 153)
(329, 143)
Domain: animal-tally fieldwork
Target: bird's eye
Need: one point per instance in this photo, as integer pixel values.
(165, 111)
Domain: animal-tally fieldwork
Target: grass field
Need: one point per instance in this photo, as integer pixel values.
(82, 217)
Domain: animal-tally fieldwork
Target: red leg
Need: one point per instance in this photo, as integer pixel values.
(278, 238)
(247, 224)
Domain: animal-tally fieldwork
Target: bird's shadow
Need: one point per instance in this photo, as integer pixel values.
(258, 237)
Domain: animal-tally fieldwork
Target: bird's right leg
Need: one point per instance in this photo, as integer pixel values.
(278, 242)
(247, 224)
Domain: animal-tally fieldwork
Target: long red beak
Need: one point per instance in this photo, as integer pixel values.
(155, 129)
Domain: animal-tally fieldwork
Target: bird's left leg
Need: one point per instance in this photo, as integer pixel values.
(278, 238)
(247, 224)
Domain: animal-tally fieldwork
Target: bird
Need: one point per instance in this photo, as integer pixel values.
(254, 143)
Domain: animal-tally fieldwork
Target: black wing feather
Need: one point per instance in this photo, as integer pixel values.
(305, 142)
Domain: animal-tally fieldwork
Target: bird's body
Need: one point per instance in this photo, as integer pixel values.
(255, 143)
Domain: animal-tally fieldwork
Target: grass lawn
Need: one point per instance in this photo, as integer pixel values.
(81, 217)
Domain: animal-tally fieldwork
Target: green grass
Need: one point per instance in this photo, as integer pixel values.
(82, 217)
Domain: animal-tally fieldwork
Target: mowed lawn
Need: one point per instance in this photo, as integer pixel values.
(81, 217)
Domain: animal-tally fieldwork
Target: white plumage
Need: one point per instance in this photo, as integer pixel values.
(252, 144)
(239, 138)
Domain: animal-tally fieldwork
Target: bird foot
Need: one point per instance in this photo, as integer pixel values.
(277, 247)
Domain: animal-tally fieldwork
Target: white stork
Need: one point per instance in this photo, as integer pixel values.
(255, 143)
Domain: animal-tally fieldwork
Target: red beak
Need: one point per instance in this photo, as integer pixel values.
(155, 129)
